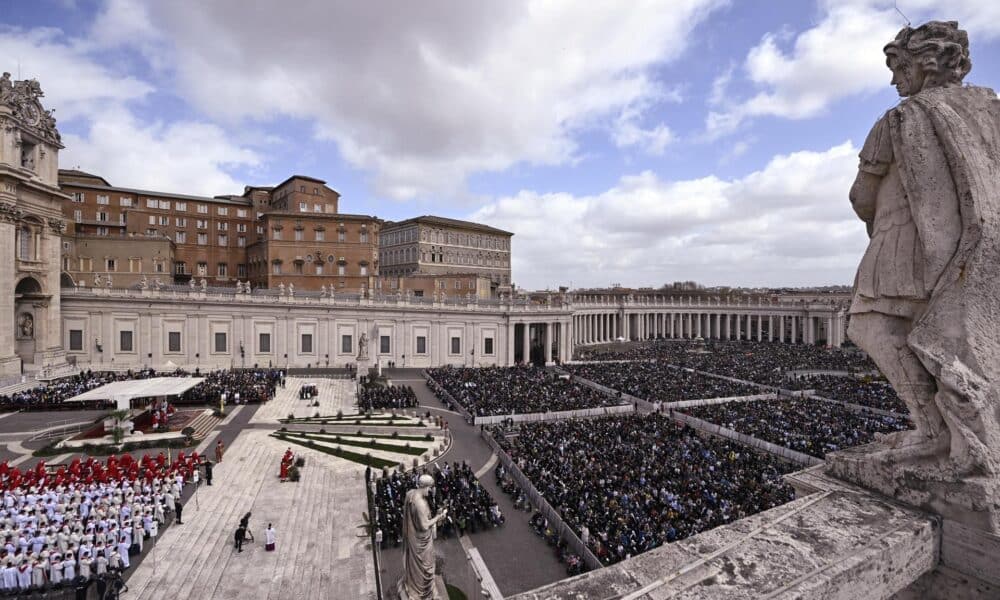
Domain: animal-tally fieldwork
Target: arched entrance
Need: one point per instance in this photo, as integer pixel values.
(30, 305)
(66, 280)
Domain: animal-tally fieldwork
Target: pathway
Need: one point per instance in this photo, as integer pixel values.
(334, 395)
(316, 521)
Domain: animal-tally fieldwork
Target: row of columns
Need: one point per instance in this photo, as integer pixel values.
(556, 337)
(596, 328)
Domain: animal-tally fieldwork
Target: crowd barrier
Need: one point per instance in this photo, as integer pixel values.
(712, 428)
(555, 520)
(439, 390)
(710, 401)
(600, 411)
(615, 393)
(373, 534)
(858, 407)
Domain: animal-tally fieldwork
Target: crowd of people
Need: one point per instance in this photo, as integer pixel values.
(52, 395)
(631, 483)
(761, 362)
(377, 397)
(470, 507)
(813, 427)
(238, 386)
(658, 382)
(866, 392)
(82, 523)
(493, 391)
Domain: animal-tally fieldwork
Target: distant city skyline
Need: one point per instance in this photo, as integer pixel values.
(699, 140)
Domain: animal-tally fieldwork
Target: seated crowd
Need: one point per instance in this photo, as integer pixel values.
(52, 394)
(470, 507)
(658, 382)
(875, 394)
(375, 397)
(514, 390)
(813, 427)
(240, 386)
(84, 520)
(760, 362)
(629, 484)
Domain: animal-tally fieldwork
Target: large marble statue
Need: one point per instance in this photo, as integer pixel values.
(417, 582)
(926, 301)
(363, 347)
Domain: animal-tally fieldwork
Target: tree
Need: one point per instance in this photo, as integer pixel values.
(117, 433)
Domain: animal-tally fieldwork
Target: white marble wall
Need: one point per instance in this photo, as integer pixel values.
(151, 316)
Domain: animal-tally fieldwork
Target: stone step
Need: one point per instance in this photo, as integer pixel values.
(194, 545)
(334, 395)
(218, 542)
(300, 534)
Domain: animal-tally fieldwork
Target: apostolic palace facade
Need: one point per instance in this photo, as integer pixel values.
(95, 275)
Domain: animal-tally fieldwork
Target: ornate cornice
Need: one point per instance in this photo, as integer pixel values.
(57, 225)
(9, 213)
(23, 98)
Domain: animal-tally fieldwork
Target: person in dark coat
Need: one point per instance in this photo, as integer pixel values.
(208, 471)
(179, 508)
(241, 534)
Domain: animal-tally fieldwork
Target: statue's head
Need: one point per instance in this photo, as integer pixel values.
(424, 483)
(936, 54)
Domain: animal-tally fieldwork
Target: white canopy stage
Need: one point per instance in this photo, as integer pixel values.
(122, 392)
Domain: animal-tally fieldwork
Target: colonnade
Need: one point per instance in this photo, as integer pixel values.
(555, 338)
(596, 327)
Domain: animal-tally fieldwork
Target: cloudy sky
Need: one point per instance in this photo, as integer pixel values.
(634, 142)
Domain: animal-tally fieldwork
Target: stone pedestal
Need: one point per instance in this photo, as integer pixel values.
(971, 501)
(967, 507)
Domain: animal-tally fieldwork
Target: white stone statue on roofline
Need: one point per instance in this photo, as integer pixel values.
(419, 527)
(926, 303)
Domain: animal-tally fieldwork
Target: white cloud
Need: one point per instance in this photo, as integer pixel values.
(839, 57)
(789, 223)
(158, 156)
(426, 93)
(95, 111)
(74, 84)
(627, 131)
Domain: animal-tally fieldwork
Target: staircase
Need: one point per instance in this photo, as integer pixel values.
(203, 424)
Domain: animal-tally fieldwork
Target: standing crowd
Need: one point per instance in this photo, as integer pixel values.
(470, 507)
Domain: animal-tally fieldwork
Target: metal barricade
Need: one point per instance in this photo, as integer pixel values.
(555, 520)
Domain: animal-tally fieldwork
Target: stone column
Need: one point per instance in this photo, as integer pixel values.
(526, 343)
(770, 328)
(725, 326)
(795, 322)
(697, 325)
(548, 342)
(829, 332)
(760, 328)
(10, 363)
(510, 344)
